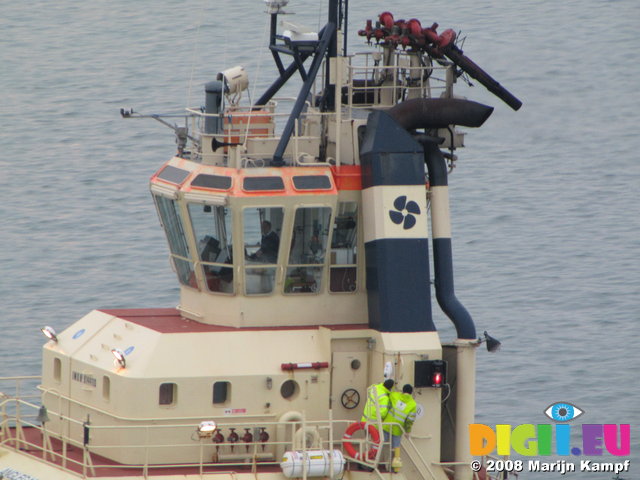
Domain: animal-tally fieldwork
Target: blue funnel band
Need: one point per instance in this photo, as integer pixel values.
(399, 298)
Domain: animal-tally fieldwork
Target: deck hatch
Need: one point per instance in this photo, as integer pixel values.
(312, 182)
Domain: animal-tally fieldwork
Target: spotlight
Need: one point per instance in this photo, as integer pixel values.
(493, 344)
(275, 6)
(119, 356)
(206, 429)
(235, 79)
(50, 333)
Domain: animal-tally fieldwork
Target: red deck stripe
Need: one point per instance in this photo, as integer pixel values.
(168, 320)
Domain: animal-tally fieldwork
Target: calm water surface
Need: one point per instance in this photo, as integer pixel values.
(546, 201)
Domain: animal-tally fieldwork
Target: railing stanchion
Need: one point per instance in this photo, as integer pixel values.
(145, 470)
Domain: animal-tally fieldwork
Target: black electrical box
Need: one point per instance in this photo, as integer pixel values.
(430, 373)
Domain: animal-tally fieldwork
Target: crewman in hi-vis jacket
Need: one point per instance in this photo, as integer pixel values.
(378, 402)
(400, 419)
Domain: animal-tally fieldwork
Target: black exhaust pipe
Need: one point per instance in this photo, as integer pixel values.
(439, 113)
(474, 71)
(432, 113)
(442, 251)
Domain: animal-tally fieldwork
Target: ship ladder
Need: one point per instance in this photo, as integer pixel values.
(410, 451)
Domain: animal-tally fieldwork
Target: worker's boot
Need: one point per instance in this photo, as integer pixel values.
(396, 463)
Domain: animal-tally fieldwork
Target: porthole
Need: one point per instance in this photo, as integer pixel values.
(221, 392)
(168, 394)
(106, 388)
(57, 369)
(289, 389)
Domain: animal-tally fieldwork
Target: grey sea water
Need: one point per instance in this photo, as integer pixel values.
(545, 201)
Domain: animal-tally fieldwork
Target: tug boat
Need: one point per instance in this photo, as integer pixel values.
(301, 245)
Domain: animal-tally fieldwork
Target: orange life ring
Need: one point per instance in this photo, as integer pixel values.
(373, 433)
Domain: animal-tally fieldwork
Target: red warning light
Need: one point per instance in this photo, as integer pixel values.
(430, 373)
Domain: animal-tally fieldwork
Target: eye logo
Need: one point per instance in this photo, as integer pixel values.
(563, 412)
(404, 212)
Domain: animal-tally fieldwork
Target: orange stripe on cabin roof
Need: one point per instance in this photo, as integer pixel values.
(347, 177)
(238, 176)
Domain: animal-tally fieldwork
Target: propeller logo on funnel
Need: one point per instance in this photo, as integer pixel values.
(404, 212)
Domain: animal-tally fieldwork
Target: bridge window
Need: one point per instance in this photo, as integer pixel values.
(343, 269)
(263, 184)
(212, 227)
(171, 220)
(173, 175)
(307, 250)
(262, 231)
(312, 182)
(215, 182)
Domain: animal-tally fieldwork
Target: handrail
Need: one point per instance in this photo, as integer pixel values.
(415, 454)
(21, 377)
(23, 419)
(238, 152)
(129, 419)
(379, 80)
(64, 461)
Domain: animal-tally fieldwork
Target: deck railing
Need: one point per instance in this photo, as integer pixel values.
(257, 133)
(371, 84)
(24, 428)
(367, 84)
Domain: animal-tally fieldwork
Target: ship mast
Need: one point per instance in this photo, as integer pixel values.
(322, 49)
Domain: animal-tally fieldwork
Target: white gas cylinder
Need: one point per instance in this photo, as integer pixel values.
(318, 463)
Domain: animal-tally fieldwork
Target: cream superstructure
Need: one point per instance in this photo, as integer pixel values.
(301, 246)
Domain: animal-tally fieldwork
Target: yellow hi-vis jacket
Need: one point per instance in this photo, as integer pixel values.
(377, 403)
(402, 413)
